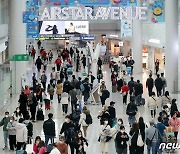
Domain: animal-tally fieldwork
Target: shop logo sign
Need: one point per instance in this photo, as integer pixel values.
(169, 146)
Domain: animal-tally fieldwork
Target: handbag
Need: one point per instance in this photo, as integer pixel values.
(124, 94)
(149, 141)
(140, 142)
(108, 138)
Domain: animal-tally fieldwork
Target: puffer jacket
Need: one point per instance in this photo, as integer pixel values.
(152, 103)
(83, 117)
(59, 89)
(21, 132)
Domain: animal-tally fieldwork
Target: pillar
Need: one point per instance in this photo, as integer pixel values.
(171, 45)
(151, 59)
(17, 41)
(137, 44)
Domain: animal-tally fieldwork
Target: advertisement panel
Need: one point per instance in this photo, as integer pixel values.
(64, 27)
(30, 16)
(126, 28)
(32, 4)
(94, 2)
(76, 27)
(32, 30)
(60, 2)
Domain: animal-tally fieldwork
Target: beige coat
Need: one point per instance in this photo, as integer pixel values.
(59, 89)
(152, 103)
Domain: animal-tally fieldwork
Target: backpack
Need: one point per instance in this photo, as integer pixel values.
(106, 94)
(40, 115)
(89, 120)
(51, 89)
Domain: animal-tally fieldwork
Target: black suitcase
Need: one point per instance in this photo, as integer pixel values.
(40, 115)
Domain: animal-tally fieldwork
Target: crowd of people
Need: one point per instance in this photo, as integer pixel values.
(74, 92)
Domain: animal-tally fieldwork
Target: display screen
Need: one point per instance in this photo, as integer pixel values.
(63, 27)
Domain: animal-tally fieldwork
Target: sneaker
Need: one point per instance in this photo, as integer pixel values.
(5, 148)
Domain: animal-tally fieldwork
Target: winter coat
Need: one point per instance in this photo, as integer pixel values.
(150, 83)
(174, 123)
(83, 118)
(152, 103)
(59, 89)
(11, 127)
(105, 131)
(21, 132)
(4, 122)
(49, 127)
(64, 98)
(159, 83)
(166, 100)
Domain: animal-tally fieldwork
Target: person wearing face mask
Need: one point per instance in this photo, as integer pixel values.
(91, 79)
(4, 122)
(44, 80)
(104, 134)
(79, 142)
(17, 114)
(121, 141)
(36, 145)
(62, 146)
(118, 125)
(12, 133)
(69, 130)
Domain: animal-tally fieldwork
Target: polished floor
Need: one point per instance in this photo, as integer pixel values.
(93, 130)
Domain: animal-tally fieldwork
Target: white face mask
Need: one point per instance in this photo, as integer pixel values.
(122, 131)
(18, 110)
(106, 122)
(79, 135)
(6, 116)
(11, 120)
(119, 122)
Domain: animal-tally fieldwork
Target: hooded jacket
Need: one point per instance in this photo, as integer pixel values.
(21, 132)
(83, 117)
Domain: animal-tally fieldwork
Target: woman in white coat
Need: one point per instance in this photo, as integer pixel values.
(82, 120)
(152, 104)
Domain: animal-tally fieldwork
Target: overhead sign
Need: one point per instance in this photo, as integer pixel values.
(124, 3)
(104, 13)
(20, 57)
(126, 29)
(64, 27)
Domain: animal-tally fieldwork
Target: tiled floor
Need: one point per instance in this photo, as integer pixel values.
(93, 130)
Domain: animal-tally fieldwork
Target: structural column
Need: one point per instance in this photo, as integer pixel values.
(171, 45)
(151, 58)
(17, 41)
(137, 44)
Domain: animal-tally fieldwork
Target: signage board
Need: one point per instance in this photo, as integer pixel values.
(30, 16)
(20, 57)
(64, 27)
(126, 29)
(32, 30)
(94, 2)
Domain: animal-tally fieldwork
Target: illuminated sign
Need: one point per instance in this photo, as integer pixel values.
(104, 13)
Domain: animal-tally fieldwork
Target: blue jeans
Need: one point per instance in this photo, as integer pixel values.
(131, 120)
(47, 137)
(6, 136)
(138, 99)
(152, 148)
(159, 151)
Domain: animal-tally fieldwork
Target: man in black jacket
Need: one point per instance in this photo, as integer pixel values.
(138, 88)
(159, 85)
(112, 112)
(69, 130)
(131, 86)
(150, 84)
(49, 129)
